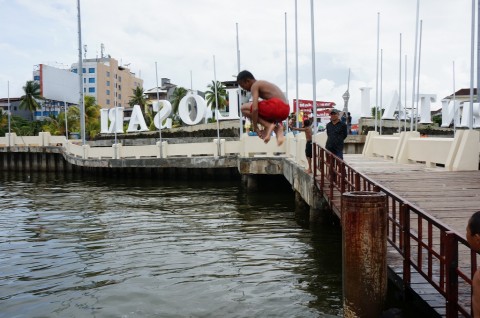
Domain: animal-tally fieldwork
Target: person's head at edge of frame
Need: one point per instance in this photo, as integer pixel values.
(245, 79)
(334, 112)
(473, 231)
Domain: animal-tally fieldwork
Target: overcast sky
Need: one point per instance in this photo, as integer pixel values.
(182, 36)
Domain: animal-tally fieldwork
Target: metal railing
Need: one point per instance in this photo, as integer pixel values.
(437, 253)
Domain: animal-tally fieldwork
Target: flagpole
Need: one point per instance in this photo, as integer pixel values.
(286, 59)
(415, 66)
(381, 89)
(400, 84)
(454, 103)
(376, 81)
(472, 65)
(216, 107)
(296, 67)
(405, 102)
(9, 113)
(80, 71)
(314, 79)
(418, 74)
(478, 52)
(160, 119)
(239, 91)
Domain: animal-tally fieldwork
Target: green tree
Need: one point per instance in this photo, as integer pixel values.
(54, 125)
(29, 101)
(138, 97)
(92, 117)
(175, 99)
(379, 112)
(73, 117)
(3, 123)
(221, 95)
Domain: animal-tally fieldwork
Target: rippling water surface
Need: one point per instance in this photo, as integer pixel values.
(141, 248)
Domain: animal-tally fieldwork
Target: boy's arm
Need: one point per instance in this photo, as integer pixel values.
(299, 129)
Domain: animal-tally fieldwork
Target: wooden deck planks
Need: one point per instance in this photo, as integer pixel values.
(450, 197)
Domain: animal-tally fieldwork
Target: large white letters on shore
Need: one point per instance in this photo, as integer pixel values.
(191, 105)
(460, 113)
(114, 115)
(137, 120)
(162, 114)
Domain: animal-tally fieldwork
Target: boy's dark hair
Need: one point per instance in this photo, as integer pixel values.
(474, 223)
(244, 75)
(306, 122)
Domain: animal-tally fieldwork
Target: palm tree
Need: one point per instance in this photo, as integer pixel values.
(221, 95)
(138, 97)
(32, 94)
(3, 123)
(92, 116)
(176, 97)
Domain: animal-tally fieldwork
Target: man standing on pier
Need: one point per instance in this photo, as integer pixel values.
(473, 239)
(270, 111)
(336, 133)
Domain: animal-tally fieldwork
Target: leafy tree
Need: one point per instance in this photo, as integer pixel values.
(92, 117)
(221, 95)
(29, 101)
(73, 117)
(437, 119)
(56, 125)
(3, 123)
(177, 96)
(379, 112)
(138, 97)
(23, 127)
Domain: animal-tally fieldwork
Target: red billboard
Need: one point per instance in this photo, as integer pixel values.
(306, 106)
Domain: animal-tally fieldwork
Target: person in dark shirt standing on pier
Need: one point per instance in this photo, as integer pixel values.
(473, 238)
(336, 133)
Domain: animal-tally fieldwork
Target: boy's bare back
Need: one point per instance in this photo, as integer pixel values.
(267, 90)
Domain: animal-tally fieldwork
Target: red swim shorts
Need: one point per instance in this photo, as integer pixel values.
(273, 109)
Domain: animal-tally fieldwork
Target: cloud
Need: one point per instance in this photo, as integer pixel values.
(183, 36)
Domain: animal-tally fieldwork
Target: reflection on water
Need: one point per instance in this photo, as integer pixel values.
(145, 248)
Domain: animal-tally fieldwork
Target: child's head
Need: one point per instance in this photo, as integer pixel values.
(306, 123)
(473, 231)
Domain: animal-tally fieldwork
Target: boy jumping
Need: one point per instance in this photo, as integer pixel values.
(269, 112)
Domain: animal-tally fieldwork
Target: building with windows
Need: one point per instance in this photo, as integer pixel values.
(14, 107)
(165, 91)
(111, 84)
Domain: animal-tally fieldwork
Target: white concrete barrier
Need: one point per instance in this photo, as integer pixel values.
(455, 154)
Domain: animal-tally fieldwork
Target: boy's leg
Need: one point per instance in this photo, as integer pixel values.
(267, 132)
(309, 159)
(278, 128)
(246, 110)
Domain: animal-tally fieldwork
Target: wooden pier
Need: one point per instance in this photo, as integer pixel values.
(428, 212)
(449, 196)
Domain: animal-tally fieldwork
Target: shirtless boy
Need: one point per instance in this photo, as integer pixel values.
(269, 112)
(308, 147)
(473, 238)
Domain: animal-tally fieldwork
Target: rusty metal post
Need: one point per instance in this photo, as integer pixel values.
(364, 242)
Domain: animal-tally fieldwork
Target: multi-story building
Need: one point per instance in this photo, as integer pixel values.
(111, 84)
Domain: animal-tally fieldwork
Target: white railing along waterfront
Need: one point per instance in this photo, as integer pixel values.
(455, 154)
(247, 146)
